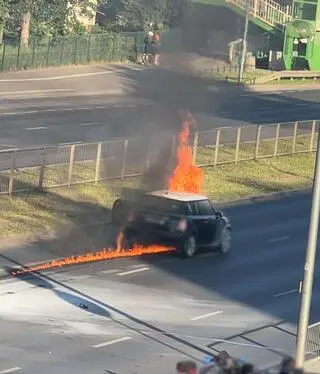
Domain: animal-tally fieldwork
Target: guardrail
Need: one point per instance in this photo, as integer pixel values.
(48, 167)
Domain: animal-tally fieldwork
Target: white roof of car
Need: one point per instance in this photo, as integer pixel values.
(180, 196)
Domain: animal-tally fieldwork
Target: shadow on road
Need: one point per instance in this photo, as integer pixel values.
(174, 87)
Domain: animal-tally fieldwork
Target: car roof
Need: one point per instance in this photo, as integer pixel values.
(179, 196)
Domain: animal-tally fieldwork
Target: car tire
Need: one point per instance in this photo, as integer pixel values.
(225, 240)
(118, 212)
(189, 246)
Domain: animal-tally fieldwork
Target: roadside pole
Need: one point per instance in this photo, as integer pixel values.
(244, 43)
(307, 283)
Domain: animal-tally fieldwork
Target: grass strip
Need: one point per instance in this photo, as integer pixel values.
(33, 212)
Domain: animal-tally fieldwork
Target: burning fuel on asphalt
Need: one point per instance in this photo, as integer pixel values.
(186, 177)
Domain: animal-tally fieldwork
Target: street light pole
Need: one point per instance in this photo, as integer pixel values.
(244, 43)
(307, 283)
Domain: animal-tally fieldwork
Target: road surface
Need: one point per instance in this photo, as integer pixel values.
(99, 103)
(92, 104)
(140, 315)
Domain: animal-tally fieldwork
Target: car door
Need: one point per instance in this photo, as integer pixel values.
(207, 221)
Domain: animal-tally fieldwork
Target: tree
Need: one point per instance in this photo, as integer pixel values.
(138, 14)
(4, 10)
(50, 17)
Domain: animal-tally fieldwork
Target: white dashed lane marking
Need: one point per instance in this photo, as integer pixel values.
(11, 370)
(133, 271)
(35, 128)
(197, 318)
(90, 124)
(110, 342)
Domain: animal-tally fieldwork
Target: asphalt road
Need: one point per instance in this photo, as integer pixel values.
(145, 314)
(92, 104)
(101, 103)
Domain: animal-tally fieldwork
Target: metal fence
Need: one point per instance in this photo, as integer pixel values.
(313, 341)
(84, 49)
(47, 167)
(68, 50)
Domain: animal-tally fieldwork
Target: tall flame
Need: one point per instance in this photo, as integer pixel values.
(186, 177)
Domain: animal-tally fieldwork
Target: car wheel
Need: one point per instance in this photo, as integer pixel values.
(225, 240)
(189, 247)
(118, 212)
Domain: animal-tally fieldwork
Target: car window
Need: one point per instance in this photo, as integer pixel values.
(165, 205)
(205, 208)
(193, 207)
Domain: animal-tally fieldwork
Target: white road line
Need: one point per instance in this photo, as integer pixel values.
(8, 150)
(36, 91)
(206, 315)
(45, 111)
(285, 293)
(11, 370)
(35, 128)
(133, 271)
(57, 77)
(89, 124)
(279, 239)
(125, 338)
(110, 271)
(7, 145)
(70, 143)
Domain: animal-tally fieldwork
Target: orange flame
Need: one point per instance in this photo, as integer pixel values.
(186, 177)
(103, 254)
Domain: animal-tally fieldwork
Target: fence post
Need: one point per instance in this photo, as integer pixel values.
(42, 167)
(3, 56)
(75, 54)
(89, 48)
(126, 48)
(62, 51)
(313, 129)
(216, 151)
(18, 55)
(236, 158)
(71, 163)
(276, 144)
(294, 139)
(98, 162)
(124, 159)
(256, 153)
(11, 178)
(48, 51)
(113, 47)
(195, 147)
(33, 54)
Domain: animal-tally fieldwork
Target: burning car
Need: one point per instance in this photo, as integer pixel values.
(187, 221)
